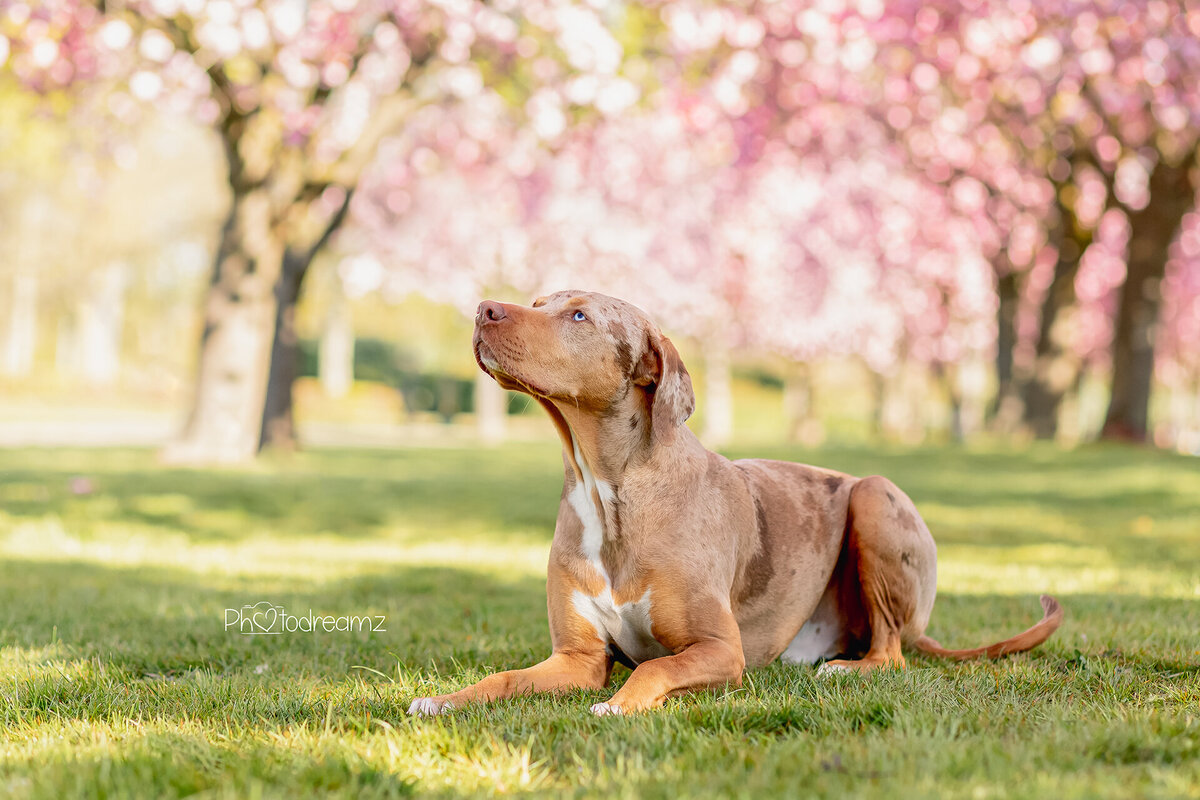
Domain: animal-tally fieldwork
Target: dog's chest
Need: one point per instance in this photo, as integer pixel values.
(626, 625)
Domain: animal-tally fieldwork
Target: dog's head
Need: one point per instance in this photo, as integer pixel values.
(586, 350)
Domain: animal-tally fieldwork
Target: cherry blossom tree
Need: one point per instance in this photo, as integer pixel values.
(916, 182)
(808, 178)
(1002, 120)
(1048, 112)
(300, 93)
(1101, 98)
(800, 255)
(1177, 353)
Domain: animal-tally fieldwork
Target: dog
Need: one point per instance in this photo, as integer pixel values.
(680, 563)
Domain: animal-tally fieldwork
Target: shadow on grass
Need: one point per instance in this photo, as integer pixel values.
(1090, 499)
(342, 493)
(180, 765)
(161, 622)
(141, 649)
(164, 631)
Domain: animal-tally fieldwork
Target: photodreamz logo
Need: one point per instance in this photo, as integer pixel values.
(264, 618)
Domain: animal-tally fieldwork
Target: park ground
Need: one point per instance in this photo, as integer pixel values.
(118, 678)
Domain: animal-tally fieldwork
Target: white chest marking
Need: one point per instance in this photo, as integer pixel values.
(593, 530)
(821, 637)
(581, 500)
(627, 625)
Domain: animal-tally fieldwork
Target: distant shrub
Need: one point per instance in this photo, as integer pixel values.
(761, 376)
(381, 361)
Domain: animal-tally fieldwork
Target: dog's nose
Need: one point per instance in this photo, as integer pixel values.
(491, 311)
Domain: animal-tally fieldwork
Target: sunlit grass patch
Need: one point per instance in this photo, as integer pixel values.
(119, 678)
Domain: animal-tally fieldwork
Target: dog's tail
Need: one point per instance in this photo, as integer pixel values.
(1018, 644)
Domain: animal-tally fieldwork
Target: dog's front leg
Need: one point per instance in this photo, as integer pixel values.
(704, 664)
(559, 672)
(579, 661)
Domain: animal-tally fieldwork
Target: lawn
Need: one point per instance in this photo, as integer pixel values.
(118, 677)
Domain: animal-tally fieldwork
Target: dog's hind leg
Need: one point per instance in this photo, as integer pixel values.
(892, 554)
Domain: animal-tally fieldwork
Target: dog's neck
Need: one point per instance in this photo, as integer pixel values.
(605, 444)
(598, 450)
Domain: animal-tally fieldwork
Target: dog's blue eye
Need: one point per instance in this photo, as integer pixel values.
(579, 316)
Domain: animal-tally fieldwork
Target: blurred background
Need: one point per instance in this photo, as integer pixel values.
(230, 225)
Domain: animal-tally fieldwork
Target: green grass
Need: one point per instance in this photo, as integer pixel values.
(118, 679)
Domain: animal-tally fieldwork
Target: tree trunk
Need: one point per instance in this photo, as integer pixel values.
(957, 429)
(970, 383)
(798, 403)
(335, 360)
(1006, 338)
(66, 347)
(491, 409)
(878, 403)
(226, 420)
(1053, 370)
(22, 326)
(1152, 229)
(278, 423)
(249, 348)
(718, 396)
(946, 377)
(1194, 426)
(101, 314)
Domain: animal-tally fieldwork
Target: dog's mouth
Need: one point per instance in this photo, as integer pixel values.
(486, 358)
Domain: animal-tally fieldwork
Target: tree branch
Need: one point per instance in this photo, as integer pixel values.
(332, 225)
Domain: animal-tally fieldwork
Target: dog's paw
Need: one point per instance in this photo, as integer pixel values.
(429, 707)
(830, 668)
(607, 710)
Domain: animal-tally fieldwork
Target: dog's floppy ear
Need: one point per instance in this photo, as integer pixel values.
(669, 385)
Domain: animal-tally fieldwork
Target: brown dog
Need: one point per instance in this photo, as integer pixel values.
(679, 562)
